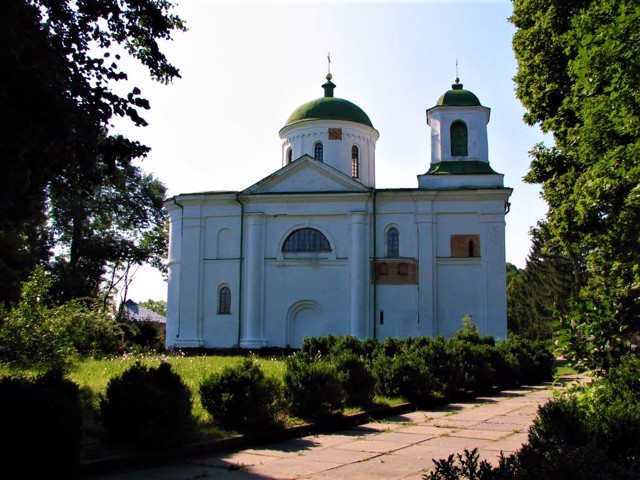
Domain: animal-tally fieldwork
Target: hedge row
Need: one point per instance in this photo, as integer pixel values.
(151, 407)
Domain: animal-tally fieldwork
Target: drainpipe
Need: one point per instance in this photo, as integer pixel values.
(181, 234)
(241, 265)
(374, 270)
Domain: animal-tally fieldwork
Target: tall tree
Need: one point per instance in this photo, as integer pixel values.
(57, 95)
(578, 78)
(537, 293)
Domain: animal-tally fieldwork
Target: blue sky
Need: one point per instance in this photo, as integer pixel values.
(246, 66)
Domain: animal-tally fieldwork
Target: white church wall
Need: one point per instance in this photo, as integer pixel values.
(449, 224)
(220, 329)
(319, 284)
(398, 306)
(461, 291)
(475, 118)
(222, 237)
(301, 138)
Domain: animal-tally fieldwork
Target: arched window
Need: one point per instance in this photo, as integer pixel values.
(306, 240)
(403, 269)
(383, 269)
(393, 243)
(355, 162)
(318, 151)
(289, 155)
(459, 140)
(224, 300)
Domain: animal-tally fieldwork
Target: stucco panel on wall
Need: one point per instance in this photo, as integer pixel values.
(219, 330)
(461, 291)
(399, 305)
(288, 282)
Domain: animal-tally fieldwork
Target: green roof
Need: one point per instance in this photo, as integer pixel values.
(458, 97)
(329, 108)
(464, 167)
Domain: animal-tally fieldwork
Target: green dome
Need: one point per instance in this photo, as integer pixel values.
(458, 97)
(329, 108)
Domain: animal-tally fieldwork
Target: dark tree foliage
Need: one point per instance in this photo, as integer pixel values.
(537, 293)
(60, 63)
(578, 78)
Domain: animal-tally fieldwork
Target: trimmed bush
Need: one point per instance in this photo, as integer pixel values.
(526, 361)
(317, 346)
(406, 375)
(313, 387)
(356, 378)
(473, 365)
(147, 407)
(241, 397)
(41, 426)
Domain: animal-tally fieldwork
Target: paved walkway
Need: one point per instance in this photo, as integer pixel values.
(398, 447)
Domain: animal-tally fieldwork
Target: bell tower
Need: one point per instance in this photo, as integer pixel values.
(459, 144)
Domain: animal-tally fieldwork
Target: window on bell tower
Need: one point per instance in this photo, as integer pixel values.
(459, 139)
(289, 155)
(355, 162)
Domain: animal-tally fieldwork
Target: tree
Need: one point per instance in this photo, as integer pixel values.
(537, 293)
(113, 226)
(60, 62)
(158, 306)
(578, 78)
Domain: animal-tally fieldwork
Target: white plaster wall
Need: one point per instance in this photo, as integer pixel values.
(400, 306)
(476, 119)
(455, 224)
(220, 330)
(337, 153)
(461, 291)
(289, 282)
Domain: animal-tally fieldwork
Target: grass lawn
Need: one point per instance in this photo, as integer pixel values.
(94, 374)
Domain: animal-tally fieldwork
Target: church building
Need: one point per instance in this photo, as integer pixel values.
(315, 248)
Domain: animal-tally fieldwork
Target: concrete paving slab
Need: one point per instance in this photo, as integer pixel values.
(376, 446)
(337, 454)
(429, 430)
(404, 438)
(292, 467)
(479, 434)
(328, 440)
(456, 444)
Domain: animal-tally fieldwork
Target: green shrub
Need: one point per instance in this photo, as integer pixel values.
(472, 365)
(469, 466)
(313, 387)
(528, 361)
(241, 397)
(147, 407)
(317, 346)
(390, 346)
(350, 345)
(406, 375)
(41, 426)
(34, 334)
(356, 378)
(440, 358)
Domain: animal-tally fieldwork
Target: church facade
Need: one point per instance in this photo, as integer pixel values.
(315, 248)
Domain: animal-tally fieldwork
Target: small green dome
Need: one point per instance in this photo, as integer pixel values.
(329, 108)
(458, 97)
